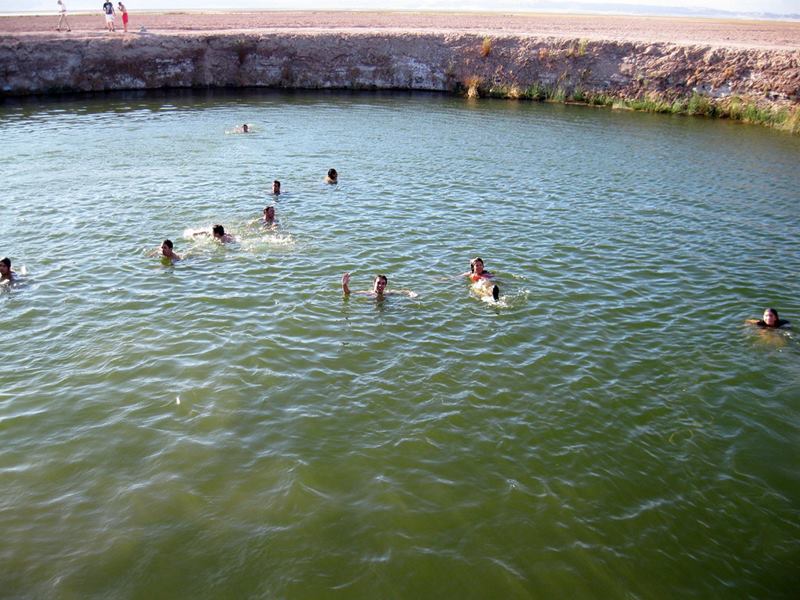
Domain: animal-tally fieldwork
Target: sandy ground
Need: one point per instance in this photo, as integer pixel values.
(750, 34)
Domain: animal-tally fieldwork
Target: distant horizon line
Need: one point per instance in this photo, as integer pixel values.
(652, 11)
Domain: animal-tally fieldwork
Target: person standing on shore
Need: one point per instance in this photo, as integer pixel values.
(108, 9)
(62, 11)
(124, 12)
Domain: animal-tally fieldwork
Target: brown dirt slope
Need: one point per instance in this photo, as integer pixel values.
(730, 33)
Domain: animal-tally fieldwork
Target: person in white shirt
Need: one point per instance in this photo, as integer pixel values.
(62, 11)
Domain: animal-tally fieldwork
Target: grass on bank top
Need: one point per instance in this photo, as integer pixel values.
(734, 107)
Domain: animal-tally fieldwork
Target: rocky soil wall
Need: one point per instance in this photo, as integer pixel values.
(440, 61)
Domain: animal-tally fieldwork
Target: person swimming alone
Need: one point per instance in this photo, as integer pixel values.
(332, 178)
(481, 279)
(6, 273)
(378, 290)
(276, 188)
(769, 320)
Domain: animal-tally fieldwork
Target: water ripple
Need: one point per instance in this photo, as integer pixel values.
(231, 425)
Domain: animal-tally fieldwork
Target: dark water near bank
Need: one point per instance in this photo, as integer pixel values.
(231, 427)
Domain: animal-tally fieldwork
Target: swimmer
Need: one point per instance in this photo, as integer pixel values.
(6, 274)
(276, 188)
(245, 128)
(167, 252)
(769, 320)
(480, 279)
(218, 233)
(332, 178)
(378, 290)
(269, 217)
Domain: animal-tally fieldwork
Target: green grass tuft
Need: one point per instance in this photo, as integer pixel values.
(734, 108)
(678, 107)
(698, 105)
(650, 103)
(557, 94)
(792, 123)
(499, 91)
(536, 92)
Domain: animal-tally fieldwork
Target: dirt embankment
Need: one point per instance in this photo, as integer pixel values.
(597, 59)
(706, 32)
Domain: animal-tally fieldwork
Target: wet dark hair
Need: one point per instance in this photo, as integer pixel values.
(332, 173)
(472, 263)
(774, 312)
(381, 276)
(277, 182)
(168, 243)
(218, 230)
(7, 262)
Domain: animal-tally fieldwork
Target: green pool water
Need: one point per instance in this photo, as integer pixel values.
(231, 427)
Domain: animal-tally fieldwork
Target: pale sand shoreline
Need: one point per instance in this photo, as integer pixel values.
(775, 35)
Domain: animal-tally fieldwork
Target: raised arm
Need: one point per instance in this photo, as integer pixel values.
(346, 284)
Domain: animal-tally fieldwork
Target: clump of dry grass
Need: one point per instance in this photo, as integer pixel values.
(472, 84)
(792, 122)
(486, 47)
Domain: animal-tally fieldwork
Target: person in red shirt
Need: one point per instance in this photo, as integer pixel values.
(480, 279)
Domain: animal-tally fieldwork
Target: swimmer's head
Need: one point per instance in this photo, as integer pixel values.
(245, 128)
(476, 265)
(770, 317)
(379, 284)
(269, 212)
(333, 175)
(5, 268)
(276, 187)
(166, 247)
(218, 231)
